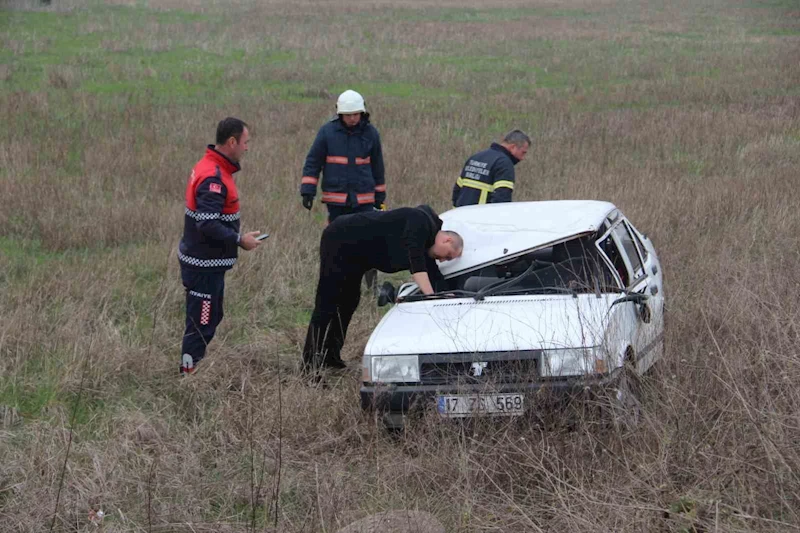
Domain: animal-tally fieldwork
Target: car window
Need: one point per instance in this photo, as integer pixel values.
(611, 218)
(623, 234)
(612, 251)
(639, 243)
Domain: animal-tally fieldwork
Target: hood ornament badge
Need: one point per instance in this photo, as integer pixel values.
(476, 369)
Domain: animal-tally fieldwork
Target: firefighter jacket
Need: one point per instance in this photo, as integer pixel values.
(351, 162)
(487, 177)
(211, 221)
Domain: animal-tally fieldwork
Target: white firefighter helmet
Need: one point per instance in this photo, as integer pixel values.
(350, 102)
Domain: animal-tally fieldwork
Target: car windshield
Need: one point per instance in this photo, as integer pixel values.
(570, 267)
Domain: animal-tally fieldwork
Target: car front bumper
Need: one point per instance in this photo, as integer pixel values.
(403, 398)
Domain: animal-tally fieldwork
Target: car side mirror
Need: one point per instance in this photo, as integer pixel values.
(635, 297)
(387, 294)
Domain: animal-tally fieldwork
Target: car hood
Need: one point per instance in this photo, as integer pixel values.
(495, 324)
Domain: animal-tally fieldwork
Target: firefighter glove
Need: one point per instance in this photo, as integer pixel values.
(380, 206)
(308, 201)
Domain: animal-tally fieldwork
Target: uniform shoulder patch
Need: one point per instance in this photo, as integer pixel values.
(215, 187)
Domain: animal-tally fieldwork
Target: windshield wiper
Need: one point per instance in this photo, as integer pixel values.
(560, 290)
(436, 295)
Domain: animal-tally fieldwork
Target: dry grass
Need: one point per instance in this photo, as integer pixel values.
(684, 114)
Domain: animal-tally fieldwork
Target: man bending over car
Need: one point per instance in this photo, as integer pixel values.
(408, 238)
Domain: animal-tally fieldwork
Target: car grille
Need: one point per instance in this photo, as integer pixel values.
(515, 371)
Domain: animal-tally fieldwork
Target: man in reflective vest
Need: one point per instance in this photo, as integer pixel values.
(211, 238)
(488, 176)
(348, 153)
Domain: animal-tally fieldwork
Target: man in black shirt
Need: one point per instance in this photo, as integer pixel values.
(408, 238)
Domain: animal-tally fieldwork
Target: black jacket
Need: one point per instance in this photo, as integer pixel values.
(351, 162)
(390, 241)
(487, 177)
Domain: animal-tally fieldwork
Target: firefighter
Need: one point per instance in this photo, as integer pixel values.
(211, 238)
(347, 150)
(408, 238)
(488, 176)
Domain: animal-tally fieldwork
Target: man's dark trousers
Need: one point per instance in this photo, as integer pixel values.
(335, 211)
(204, 298)
(338, 295)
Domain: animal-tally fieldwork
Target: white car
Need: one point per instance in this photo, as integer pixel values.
(547, 296)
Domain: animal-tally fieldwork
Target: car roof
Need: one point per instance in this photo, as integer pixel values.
(493, 232)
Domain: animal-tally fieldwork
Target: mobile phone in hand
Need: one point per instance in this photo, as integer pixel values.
(262, 236)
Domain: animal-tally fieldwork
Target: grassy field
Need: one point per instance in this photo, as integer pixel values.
(686, 114)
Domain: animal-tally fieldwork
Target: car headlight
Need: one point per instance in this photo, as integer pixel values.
(395, 368)
(572, 362)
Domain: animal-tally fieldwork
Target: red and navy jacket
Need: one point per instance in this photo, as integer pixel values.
(211, 224)
(351, 162)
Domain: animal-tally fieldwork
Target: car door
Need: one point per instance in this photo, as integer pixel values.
(654, 288)
(623, 328)
(647, 340)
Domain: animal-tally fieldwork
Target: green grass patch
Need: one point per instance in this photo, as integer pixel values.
(171, 16)
(691, 36)
(52, 52)
(771, 4)
(133, 309)
(776, 32)
(34, 391)
(462, 15)
(20, 257)
(26, 251)
(396, 90)
(689, 163)
(29, 400)
(287, 316)
(239, 510)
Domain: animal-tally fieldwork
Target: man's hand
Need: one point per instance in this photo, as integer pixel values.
(380, 206)
(308, 201)
(423, 282)
(248, 240)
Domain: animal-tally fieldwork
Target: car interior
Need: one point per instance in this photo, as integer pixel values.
(573, 265)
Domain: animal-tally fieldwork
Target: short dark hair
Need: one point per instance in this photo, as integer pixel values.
(517, 138)
(230, 127)
(458, 242)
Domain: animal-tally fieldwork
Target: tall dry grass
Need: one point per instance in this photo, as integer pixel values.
(686, 115)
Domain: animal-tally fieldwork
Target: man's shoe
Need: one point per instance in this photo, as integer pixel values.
(334, 363)
(187, 365)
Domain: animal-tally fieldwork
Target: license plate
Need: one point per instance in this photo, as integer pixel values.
(460, 405)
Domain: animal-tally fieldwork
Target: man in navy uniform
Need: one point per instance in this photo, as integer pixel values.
(211, 238)
(348, 153)
(488, 176)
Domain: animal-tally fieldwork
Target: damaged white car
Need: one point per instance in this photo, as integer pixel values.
(550, 296)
